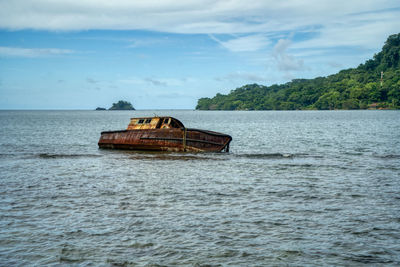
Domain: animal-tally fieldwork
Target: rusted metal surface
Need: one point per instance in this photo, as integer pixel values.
(154, 123)
(164, 134)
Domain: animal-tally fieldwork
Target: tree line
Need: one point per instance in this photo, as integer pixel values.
(374, 84)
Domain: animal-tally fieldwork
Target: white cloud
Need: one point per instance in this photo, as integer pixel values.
(174, 95)
(190, 16)
(91, 80)
(367, 30)
(244, 44)
(32, 52)
(145, 42)
(285, 61)
(362, 23)
(157, 82)
(239, 75)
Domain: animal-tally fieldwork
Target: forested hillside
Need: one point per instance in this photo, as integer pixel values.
(356, 88)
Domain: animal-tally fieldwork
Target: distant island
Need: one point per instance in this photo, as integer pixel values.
(122, 105)
(372, 85)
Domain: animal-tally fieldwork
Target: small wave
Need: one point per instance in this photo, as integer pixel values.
(46, 155)
(367, 259)
(388, 156)
(266, 155)
(227, 254)
(120, 262)
(305, 165)
(141, 245)
(172, 157)
(56, 156)
(71, 255)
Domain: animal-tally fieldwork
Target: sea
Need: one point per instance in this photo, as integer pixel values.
(298, 188)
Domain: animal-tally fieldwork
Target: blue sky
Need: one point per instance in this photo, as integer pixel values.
(71, 54)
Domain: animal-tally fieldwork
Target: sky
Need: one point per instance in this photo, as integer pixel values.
(166, 54)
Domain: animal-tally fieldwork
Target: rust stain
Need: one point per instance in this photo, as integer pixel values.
(164, 134)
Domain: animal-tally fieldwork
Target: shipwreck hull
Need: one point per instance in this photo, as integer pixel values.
(174, 140)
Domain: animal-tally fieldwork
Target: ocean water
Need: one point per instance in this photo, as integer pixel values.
(299, 188)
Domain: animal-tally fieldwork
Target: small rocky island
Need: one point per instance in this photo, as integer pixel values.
(122, 105)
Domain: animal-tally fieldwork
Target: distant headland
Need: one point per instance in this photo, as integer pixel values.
(372, 85)
(120, 105)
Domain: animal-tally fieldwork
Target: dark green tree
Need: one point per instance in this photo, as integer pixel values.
(356, 88)
(122, 105)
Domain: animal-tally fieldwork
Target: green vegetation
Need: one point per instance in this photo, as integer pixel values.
(356, 88)
(122, 105)
(100, 108)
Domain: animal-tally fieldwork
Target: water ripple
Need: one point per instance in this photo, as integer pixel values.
(298, 191)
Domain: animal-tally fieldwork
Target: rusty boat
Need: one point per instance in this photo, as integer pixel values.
(164, 134)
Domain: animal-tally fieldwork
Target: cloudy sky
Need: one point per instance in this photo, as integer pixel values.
(165, 54)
